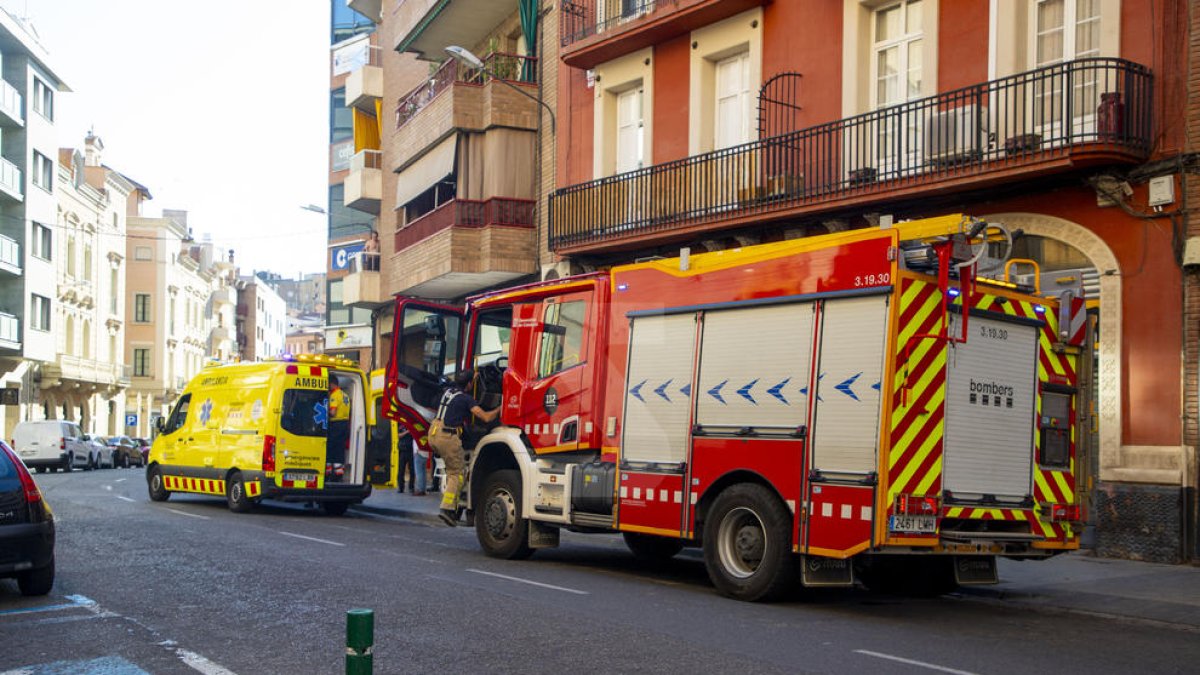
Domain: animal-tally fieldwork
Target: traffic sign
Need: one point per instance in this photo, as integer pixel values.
(131, 420)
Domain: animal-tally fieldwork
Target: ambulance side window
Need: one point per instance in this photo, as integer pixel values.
(178, 415)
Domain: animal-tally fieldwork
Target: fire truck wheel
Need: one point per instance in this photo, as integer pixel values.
(154, 482)
(747, 546)
(650, 548)
(498, 523)
(235, 494)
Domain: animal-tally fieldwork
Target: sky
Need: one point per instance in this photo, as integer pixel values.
(220, 108)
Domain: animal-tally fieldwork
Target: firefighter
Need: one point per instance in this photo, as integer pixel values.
(446, 439)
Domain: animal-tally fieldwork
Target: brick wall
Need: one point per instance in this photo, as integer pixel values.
(463, 250)
(548, 67)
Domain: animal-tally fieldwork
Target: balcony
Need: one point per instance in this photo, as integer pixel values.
(427, 26)
(10, 332)
(11, 110)
(372, 9)
(74, 372)
(220, 334)
(363, 287)
(10, 180)
(10, 255)
(225, 295)
(364, 85)
(464, 246)
(1013, 129)
(459, 97)
(364, 183)
(595, 31)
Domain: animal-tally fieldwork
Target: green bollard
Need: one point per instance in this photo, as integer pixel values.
(360, 641)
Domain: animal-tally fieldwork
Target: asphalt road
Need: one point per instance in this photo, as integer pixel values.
(187, 586)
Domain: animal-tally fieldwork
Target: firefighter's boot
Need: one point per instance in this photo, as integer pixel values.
(450, 511)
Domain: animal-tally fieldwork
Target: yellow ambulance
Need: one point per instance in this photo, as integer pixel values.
(290, 429)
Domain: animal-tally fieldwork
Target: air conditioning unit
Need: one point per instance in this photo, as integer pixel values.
(957, 135)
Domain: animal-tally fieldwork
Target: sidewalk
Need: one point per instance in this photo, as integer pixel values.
(389, 502)
(1072, 581)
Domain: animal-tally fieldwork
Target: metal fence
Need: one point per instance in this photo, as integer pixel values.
(1102, 105)
(582, 18)
(466, 213)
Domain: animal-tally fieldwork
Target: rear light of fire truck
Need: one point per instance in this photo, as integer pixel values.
(268, 456)
(1060, 513)
(917, 505)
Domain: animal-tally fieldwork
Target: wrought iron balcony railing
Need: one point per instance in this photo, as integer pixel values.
(1102, 106)
(497, 65)
(585, 18)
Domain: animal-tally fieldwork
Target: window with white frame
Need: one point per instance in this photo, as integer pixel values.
(43, 171)
(897, 70)
(1064, 31)
(732, 110)
(43, 99)
(630, 129)
(43, 241)
(41, 312)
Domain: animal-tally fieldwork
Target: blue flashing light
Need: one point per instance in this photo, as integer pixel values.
(1039, 309)
(622, 287)
(953, 292)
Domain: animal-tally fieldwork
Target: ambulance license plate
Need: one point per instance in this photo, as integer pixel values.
(299, 477)
(917, 524)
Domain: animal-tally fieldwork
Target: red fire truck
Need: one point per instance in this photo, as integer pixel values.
(853, 405)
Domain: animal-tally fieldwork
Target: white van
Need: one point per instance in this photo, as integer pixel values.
(54, 445)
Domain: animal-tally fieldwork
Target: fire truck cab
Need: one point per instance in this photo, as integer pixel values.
(853, 403)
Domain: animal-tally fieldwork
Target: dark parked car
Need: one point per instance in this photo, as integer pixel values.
(145, 446)
(26, 527)
(126, 452)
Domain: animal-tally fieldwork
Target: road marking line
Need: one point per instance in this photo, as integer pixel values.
(120, 480)
(301, 536)
(911, 662)
(77, 601)
(531, 583)
(199, 663)
(125, 499)
(189, 515)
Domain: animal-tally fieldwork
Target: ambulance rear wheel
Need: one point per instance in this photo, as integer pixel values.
(650, 548)
(498, 523)
(154, 481)
(235, 495)
(747, 544)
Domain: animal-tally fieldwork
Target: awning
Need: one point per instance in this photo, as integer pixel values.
(426, 171)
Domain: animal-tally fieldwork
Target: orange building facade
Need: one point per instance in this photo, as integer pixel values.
(713, 124)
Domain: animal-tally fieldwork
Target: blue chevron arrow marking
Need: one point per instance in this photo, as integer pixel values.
(662, 390)
(744, 392)
(715, 392)
(876, 386)
(845, 385)
(686, 389)
(636, 391)
(804, 390)
(777, 391)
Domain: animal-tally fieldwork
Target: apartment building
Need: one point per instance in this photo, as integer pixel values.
(87, 379)
(353, 48)
(304, 295)
(710, 124)
(458, 151)
(166, 321)
(29, 89)
(221, 308)
(261, 320)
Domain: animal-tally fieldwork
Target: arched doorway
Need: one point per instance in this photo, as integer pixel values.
(1061, 242)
